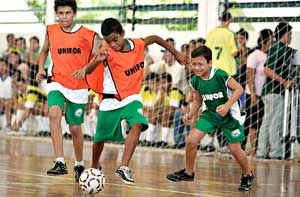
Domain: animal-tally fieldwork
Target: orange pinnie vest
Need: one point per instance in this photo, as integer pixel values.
(70, 51)
(126, 69)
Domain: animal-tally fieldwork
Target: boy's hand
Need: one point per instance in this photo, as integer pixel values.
(79, 74)
(102, 55)
(223, 109)
(40, 76)
(182, 58)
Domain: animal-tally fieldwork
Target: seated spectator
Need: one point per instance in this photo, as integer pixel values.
(149, 99)
(169, 99)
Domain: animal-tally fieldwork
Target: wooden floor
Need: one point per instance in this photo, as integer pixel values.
(24, 161)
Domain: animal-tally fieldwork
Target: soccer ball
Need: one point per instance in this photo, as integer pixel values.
(92, 181)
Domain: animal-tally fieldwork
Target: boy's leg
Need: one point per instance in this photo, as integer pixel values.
(192, 141)
(241, 157)
(187, 174)
(97, 150)
(130, 143)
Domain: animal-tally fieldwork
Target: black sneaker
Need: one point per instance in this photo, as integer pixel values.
(77, 172)
(58, 169)
(180, 176)
(125, 174)
(246, 182)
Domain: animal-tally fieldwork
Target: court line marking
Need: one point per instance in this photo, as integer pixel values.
(115, 184)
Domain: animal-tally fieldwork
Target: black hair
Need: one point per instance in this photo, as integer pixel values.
(281, 29)
(167, 76)
(111, 25)
(264, 36)
(226, 16)
(152, 77)
(203, 51)
(71, 3)
(185, 46)
(201, 40)
(9, 35)
(35, 38)
(243, 32)
(2, 59)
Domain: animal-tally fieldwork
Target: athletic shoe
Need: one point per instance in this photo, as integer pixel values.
(77, 172)
(180, 175)
(246, 182)
(125, 174)
(58, 169)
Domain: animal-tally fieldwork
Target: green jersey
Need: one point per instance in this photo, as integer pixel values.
(214, 92)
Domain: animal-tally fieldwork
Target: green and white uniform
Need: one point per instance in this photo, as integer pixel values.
(214, 92)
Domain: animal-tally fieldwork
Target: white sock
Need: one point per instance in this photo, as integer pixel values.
(150, 132)
(165, 134)
(79, 163)
(61, 159)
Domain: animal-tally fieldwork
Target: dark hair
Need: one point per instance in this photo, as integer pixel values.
(281, 29)
(9, 35)
(185, 46)
(242, 32)
(152, 77)
(111, 25)
(264, 36)
(35, 38)
(71, 3)
(167, 76)
(226, 16)
(203, 51)
(201, 40)
(2, 59)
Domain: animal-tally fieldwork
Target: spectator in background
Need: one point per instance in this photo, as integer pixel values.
(222, 41)
(192, 44)
(6, 92)
(33, 50)
(279, 60)
(149, 99)
(255, 80)
(169, 100)
(200, 42)
(21, 47)
(176, 70)
(242, 37)
(11, 44)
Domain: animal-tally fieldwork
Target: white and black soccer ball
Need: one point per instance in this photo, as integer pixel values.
(92, 181)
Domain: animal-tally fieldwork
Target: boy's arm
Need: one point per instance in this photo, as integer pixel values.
(182, 58)
(90, 67)
(42, 59)
(237, 91)
(194, 109)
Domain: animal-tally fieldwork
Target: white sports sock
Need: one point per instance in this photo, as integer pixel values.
(79, 163)
(61, 159)
(150, 132)
(165, 134)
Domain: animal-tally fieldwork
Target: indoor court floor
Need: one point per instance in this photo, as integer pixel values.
(25, 160)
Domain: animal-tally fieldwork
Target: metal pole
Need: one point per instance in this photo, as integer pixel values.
(285, 120)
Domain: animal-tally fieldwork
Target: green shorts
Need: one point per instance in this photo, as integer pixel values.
(74, 113)
(233, 131)
(109, 122)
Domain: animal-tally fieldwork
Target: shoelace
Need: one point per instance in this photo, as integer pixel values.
(128, 172)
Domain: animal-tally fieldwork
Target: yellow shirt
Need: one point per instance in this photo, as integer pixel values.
(149, 97)
(223, 44)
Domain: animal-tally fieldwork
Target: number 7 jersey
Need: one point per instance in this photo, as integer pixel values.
(223, 44)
